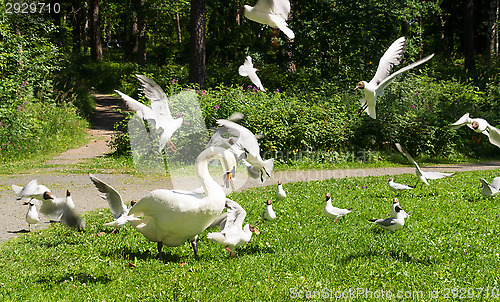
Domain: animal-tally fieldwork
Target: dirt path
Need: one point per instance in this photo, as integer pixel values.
(133, 187)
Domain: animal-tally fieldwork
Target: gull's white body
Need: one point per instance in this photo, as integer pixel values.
(392, 224)
(383, 78)
(280, 192)
(397, 186)
(482, 126)
(158, 115)
(421, 175)
(268, 213)
(333, 212)
(247, 70)
(394, 212)
(245, 140)
(31, 190)
(490, 190)
(232, 232)
(270, 12)
(32, 215)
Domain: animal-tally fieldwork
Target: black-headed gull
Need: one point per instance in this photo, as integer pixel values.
(490, 190)
(394, 213)
(270, 12)
(397, 186)
(232, 232)
(31, 190)
(32, 215)
(479, 125)
(383, 78)
(158, 115)
(280, 192)
(268, 213)
(391, 224)
(247, 70)
(334, 212)
(244, 140)
(421, 175)
(114, 199)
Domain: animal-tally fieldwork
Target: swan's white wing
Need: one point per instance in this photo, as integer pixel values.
(495, 183)
(142, 110)
(494, 135)
(113, 198)
(464, 120)
(436, 175)
(391, 57)
(281, 24)
(393, 76)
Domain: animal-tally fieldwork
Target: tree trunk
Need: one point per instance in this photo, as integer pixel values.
(179, 32)
(76, 23)
(492, 30)
(197, 43)
(95, 32)
(469, 35)
(141, 33)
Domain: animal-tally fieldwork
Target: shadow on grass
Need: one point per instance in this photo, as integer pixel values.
(77, 277)
(129, 254)
(396, 255)
(23, 231)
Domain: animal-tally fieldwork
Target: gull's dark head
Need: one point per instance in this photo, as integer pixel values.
(475, 125)
(360, 85)
(395, 201)
(48, 195)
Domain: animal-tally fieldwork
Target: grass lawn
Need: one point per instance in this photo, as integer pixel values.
(449, 243)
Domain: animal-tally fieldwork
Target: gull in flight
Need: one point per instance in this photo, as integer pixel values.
(392, 224)
(232, 232)
(334, 212)
(270, 12)
(479, 125)
(421, 175)
(490, 190)
(383, 78)
(247, 70)
(158, 115)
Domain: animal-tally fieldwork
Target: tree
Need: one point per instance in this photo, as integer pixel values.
(197, 43)
(469, 35)
(95, 32)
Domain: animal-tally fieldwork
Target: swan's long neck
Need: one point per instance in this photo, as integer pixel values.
(210, 186)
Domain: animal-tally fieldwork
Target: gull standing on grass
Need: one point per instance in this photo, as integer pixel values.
(232, 232)
(247, 70)
(392, 224)
(397, 186)
(334, 212)
(395, 203)
(421, 175)
(280, 192)
(383, 78)
(268, 213)
(158, 115)
(490, 190)
(32, 215)
(479, 125)
(270, 12)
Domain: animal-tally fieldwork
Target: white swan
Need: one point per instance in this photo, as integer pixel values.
(170, 217)
(232, 233)
(246, 141)
(479, 125)
(280, 192)
(268, 213)
(382, 79)
(490, 190)
(333, 212)
(392, 224)
(270, 12)
(421, 175)
(158, 115)
(247, 70)
(32, 215)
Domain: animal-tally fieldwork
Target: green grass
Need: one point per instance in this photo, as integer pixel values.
(450, 241)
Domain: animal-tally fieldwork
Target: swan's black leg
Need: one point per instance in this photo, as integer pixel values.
(160, 245)
(195, 248)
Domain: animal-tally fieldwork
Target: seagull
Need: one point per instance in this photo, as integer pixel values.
(490, 190)
(244, 140)
(114, 199)
(32, 215)
(280, 193)
(270, 12)
(391, 224)
(247, 70)
(158, 115)
(397, 186)
(56, 208)
(268, 213)
(479, 125)
(232, 233)
(395, 203)
(334, 212)
(382, 77)
(421, 175)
